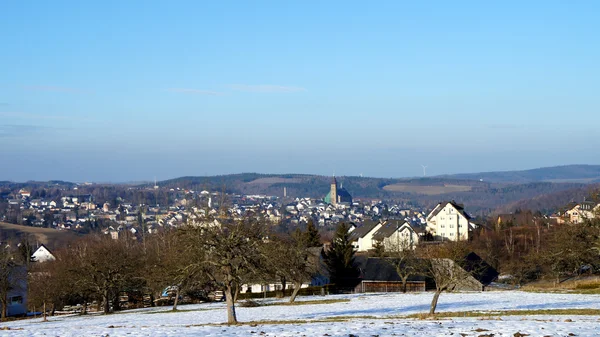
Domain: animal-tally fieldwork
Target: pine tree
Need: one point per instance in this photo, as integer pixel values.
(340, 259)
(312, 236)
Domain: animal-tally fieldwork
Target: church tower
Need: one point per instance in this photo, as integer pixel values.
(333, 192)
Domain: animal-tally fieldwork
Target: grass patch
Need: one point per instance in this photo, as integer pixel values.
(175, 311)
(590, 312)
(328, 301)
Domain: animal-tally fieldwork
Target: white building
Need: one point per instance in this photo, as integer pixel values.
(397, 235)
(362, 237)
(449, 221)
(42, 254)
(583, 211)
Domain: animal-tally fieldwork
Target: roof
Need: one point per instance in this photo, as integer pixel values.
(459, 208)
(479, 269)
(363, 230)
(391, 226)
(380, 269)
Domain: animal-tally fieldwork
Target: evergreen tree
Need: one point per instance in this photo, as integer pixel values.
(311, 236)
(339, 259)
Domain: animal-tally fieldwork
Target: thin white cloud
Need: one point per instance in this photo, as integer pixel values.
(25, 115)
(53, 88)
(266, 88)
(195, 91)
(12, 130)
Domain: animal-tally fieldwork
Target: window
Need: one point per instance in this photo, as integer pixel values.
(451, 234)
(16, 300)
(442, 226)
(451, 225)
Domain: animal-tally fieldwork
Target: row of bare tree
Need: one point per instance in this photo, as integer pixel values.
(206, 257)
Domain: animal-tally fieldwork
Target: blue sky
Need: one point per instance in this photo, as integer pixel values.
(130, 90)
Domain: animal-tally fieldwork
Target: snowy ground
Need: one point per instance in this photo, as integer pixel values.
(363, 315)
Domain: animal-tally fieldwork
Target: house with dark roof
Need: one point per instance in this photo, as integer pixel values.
(362, 236)
(379, 275)
(398, 235)
(449, 221)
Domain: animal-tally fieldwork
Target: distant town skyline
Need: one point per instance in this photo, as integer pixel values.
(118, 91)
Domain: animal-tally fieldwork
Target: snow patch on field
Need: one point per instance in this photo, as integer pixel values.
(363, 315)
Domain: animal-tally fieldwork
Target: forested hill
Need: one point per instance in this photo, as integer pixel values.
(567, 173)
(481, 197)
(544, 189)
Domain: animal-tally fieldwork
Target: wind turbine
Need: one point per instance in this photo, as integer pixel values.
(424, 170)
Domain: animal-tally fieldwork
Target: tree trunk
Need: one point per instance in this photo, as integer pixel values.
(434, 301)
(4, 301)
(404, 281)
(53, 309)
(116, 302)
(106, 301)
(85, 308)
(176, 300)
(297, 286)
(283, 284)
(231, 317)
(45, 317)
(236, 295)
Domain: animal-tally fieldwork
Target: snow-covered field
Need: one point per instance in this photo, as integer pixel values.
(363, 315)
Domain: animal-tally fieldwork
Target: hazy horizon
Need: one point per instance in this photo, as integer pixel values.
(127, 91)
(143, 181)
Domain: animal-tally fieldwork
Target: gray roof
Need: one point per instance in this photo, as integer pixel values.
(459, 208)
(361, 231)
(380, 269)
(392, 226)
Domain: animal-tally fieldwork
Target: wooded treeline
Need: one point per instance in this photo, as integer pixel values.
(190, 261)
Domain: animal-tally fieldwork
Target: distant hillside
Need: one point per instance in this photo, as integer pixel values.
(52, 238)
(552, 202)
(542, 189)
(568, 173)
(480, 197)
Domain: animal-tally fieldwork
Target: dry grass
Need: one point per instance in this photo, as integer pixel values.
(427, 190)
(582, 286)
(52, 238)
(490, 314)
(329, 301)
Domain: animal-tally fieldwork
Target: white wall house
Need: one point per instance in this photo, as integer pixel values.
(397, 236)
(272, 286)
(449, 221)
(42, 254)
(583, 211)
(362, 237)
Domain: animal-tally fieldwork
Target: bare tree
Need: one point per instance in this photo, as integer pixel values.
(443, 266)
(104, 265)
(290, 259)
(43, 286)
(6, 284)
(231, 249)
(13, 277)
(406, 262)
